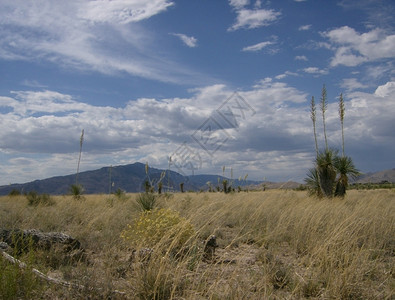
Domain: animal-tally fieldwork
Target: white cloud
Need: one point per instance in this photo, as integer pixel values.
(301, 57)
(386, 90)
(249, 19)
(286, 74)
(351, 84)
(258, 46)
(122, 11)
(353, 48)
(190, 41)
(315, 70)
(238, 3)
(304, 27)
(89, 36)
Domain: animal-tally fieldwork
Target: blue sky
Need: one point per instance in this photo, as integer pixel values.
(205, 83)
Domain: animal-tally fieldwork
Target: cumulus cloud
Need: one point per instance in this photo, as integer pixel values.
(301, 57)
(190, 41)
(386, 90)
(304, 27)
(353, 48)
(252, 18)
(71, 34)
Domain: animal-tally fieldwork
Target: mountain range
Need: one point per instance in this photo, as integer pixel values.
(377, 177)
(131, 178)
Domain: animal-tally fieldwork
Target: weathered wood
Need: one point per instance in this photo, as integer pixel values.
(37, 239)
(67, 284)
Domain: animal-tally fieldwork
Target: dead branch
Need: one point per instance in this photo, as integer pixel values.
(22, 265)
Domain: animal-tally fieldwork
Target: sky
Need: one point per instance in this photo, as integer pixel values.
(193, 86)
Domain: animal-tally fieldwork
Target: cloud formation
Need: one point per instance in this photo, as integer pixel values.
(315, 71)
(257, 47)
(190, 41)
(71, 34)
(353, 48)
(304, 27)
(301, 57)
(252, 18)
(278, 135)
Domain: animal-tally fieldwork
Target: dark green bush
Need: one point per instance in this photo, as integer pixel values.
(14, 192)
(35, 199)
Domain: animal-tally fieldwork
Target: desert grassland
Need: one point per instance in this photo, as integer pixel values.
(275, 244)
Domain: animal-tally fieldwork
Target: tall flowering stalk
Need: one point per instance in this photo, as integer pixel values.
(79, 158)
(314, 118)
(341, 115)
(324, 106)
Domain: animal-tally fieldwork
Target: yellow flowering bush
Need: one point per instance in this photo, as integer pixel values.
(163, 226)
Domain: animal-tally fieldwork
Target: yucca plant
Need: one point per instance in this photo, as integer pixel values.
(344, 164)
(326, 171)
(346, 168)
(313, 183)
(331, 172)
(146, 201)
(76, 190)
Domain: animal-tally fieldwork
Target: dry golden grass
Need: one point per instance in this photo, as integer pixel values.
(272, 245)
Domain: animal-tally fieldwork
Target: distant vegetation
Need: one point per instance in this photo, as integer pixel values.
(372, 186)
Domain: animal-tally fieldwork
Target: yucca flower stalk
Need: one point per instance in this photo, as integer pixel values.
(341, 115)
(314, 118)
(324, 106)
(79, 157)
(344, 164)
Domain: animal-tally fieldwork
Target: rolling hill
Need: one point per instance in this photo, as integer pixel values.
(129, 178)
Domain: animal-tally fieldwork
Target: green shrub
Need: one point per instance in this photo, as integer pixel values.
(14, 192)
(17, 283)
(120, 194)
(159, 225)
(35, 199)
